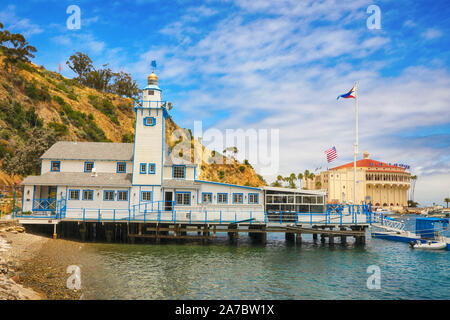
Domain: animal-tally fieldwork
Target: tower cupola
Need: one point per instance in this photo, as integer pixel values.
(152, 79)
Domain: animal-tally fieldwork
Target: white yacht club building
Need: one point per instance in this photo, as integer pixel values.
(86, 179)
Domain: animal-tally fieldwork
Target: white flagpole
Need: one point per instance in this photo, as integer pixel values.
(355, 153)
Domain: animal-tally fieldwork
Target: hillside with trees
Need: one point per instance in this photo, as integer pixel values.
(39, 107)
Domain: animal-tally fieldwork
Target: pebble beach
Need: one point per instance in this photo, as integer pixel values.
(33, 267)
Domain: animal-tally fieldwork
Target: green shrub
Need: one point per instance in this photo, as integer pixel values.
(60, 128)
(125, 107)
(127, 138)
(34, 93)
(72, 96)
(5, 149)
(59, 100)
(27, 67)
(241, 168)
(105, 106)
(33, 119)
(221, 174)
(5, 134)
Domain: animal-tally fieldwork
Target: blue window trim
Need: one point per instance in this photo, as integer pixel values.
(177, 192)
(173, 171)
(122, 191)
(140, 168)
(104, 193)
(82, 195)
(154, 168)
(151, 196)
(85, 163)
(51, 166)
(207, 193)
(117, 169)
(226, 202)
(242, 198)
(70, 190)
(257, 198)
(149, 125)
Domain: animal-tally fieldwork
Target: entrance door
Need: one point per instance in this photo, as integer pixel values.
(168, 200)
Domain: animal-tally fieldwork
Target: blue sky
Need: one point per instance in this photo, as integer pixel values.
(277, 65)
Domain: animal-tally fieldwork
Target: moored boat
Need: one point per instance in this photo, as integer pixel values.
(428, 245)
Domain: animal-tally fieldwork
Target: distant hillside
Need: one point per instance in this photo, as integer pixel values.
(214, 166)
(39, 107)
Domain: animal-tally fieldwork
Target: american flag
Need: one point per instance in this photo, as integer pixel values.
(331, 154)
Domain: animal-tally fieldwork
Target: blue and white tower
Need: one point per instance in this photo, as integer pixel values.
(149, 139)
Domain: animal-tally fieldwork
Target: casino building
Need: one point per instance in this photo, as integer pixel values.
(383, 184)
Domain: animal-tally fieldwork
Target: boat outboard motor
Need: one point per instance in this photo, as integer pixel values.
(412, 243)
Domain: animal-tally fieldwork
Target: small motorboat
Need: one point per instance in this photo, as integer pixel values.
(428, 245)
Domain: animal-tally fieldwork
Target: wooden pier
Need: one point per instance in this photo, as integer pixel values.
(137, 232)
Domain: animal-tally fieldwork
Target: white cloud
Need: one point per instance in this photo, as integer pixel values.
(431, 34)
(16, 24)
(276, 68)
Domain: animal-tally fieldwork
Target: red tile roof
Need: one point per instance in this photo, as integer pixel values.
(368, 163)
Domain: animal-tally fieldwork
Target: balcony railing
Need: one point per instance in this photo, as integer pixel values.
(44, 204)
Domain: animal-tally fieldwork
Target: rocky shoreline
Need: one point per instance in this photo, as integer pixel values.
(33, 267)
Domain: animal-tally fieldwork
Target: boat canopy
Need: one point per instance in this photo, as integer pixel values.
(425, 227)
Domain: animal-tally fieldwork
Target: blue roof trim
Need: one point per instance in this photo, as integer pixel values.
(231, 185)
(152, 87)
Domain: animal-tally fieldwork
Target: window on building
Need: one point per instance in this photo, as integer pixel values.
(183, 198)
(206, 197)
(151, 92)
(253, 198)
(56, 166)
(237, 198)
(179, 172)
(108, 195)
(222, 198)
(88, 166)
(88, 195)
(74, 195)
(151, 168)
(143, 168)
(149, 121)
(121, 167)
(122, 195)
(146, 196)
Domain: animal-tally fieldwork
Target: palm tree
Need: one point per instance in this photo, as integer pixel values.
(300, 179)
(276, 184)
(447, 200)
(306, 174)
(292, 177)
(413, 185)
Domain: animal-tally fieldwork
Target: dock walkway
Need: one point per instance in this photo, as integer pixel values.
(145, 225)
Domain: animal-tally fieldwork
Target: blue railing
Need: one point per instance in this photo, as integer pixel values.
(45, 208)
(44, 204)
(167, 211)
(334, 215)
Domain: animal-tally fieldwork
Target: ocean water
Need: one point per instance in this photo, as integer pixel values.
(274, 271)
